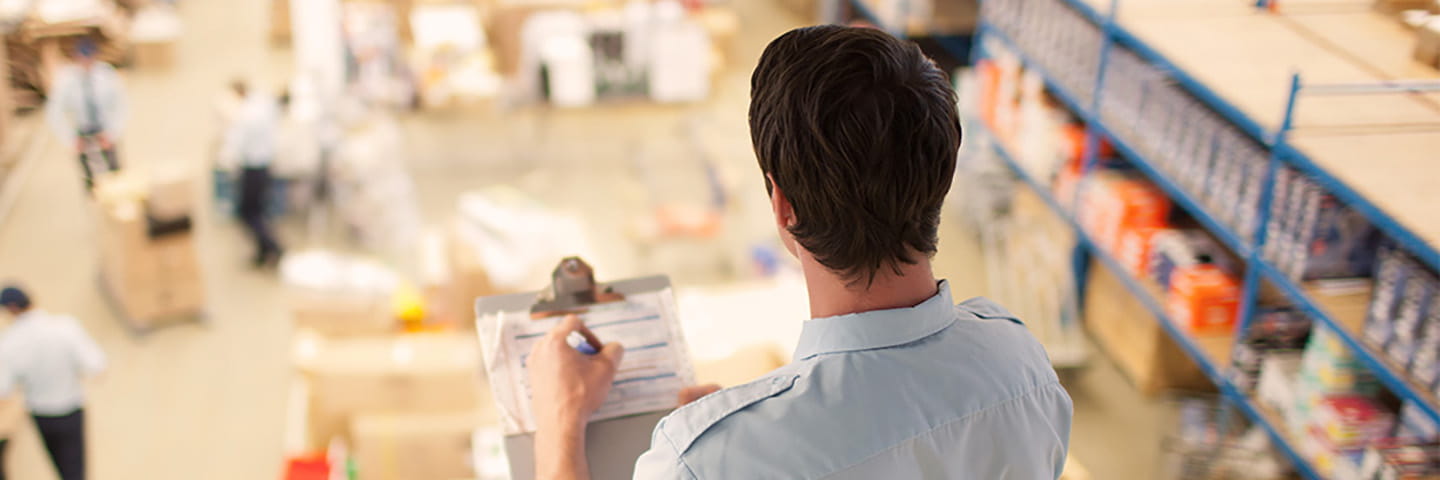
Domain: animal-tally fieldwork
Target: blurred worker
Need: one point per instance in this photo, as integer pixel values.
(87, 109)
(252, 143)
(856, 133)
(48, 357)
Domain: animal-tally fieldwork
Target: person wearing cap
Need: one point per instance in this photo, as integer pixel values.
(49, 357)
(87, 107)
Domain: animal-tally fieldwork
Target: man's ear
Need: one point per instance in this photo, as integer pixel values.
(780, 206)
(784, 216)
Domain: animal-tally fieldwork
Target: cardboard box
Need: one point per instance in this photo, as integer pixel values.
(280, 28)
(1133, 338)
(414, 446)
(469, 280)
(1394, 7)
(342, 315)
(1204, 299)
(153, 307)
(170, 198)
(412, 373)
(1427, 44)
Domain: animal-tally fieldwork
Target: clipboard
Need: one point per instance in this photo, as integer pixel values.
(611, 445)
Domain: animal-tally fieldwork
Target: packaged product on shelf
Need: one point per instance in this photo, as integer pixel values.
(1197, 156)
(1389, 288)
(1218, 194)
(1279, 198)
(1278, 372)
(1255, 165)
(1204, 299)
(1414, 426)
(1353, 421)
(1111, 202)
(1331, 368)
(1321, 237)
(1306, 214)
(1419, 297)
(1273, 332)
(1401, 462)
(1176, 248)
(1134, 246)
(1425, 368)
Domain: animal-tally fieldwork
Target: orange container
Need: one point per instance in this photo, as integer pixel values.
(1204, 299)
(1133, 248)
(1115, 204)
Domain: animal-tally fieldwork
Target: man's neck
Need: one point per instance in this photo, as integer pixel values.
(831, 295)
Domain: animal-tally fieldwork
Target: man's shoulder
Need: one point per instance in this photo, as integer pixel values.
(687, 423)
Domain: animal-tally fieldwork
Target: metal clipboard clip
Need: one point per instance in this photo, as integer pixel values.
(572, 291)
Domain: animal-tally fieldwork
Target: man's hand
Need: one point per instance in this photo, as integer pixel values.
(104, 141)
(694, 392)
(566, 387)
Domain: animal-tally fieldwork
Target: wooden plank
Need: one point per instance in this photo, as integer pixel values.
(1248, 60)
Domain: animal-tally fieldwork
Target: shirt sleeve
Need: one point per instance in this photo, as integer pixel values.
(91, 359)
(119, 111)
(660, 462)
(7, 377)
(55, 115)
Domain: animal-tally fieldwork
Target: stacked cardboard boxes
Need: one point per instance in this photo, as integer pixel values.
(406, 404)
(339, 295)
(1129, 333)
(148, 259)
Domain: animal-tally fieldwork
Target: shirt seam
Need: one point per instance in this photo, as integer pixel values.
(1034, 390)
(679, 457)
(869, 348)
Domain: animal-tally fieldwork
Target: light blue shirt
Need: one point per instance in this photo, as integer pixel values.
(932, 391)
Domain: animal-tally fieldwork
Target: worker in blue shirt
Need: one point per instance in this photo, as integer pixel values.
(856, 133)
(87, 108)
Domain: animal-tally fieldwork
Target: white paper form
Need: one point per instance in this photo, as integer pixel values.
(655, 367)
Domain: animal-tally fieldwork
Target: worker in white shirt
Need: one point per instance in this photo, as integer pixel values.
(252, 143)
(49, 357)
(87, 109)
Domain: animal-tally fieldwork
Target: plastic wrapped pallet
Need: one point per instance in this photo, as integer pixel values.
(413, 373)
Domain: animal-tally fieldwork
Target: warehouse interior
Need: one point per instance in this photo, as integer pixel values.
(1216, 216)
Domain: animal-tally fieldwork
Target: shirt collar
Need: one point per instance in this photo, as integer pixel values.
(877, 328)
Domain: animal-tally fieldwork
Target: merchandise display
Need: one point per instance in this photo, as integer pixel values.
(1274, 228)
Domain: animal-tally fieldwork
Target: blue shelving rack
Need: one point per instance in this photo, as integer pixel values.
(1247, 247)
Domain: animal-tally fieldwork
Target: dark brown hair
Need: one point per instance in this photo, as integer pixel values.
(859, 130)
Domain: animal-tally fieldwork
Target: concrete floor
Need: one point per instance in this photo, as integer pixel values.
(208, 400)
